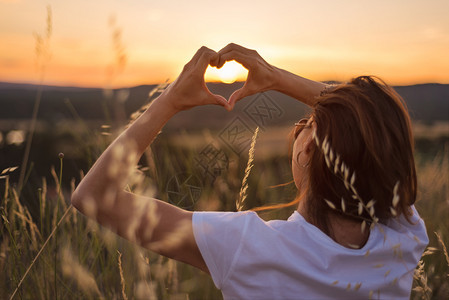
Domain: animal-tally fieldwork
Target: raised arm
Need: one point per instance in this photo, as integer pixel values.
(151, 223)
(303, 89)
(263, 76)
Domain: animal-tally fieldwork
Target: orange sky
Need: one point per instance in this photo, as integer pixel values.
(403, 42)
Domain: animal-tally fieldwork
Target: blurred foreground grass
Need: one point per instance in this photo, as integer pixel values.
(83, 260)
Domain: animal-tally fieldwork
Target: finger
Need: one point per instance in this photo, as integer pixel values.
(238, 95)
(215, 59)
(244, 59)
(220, 100)
(199, 53)
(208, 57)
(194, 59)
(235, 96)
(235, 47)
(199, 56)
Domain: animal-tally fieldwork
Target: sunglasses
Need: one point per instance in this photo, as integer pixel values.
(300, 125)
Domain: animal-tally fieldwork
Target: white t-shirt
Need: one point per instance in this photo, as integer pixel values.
(249, 258)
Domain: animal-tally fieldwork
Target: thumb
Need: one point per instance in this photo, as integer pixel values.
(237, 95)
(220, 100)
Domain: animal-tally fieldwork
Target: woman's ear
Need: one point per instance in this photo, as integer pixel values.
(309, 144)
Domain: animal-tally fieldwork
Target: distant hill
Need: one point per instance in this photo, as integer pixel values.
(426, 102)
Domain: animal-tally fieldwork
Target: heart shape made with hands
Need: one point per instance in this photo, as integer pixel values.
(230, 72)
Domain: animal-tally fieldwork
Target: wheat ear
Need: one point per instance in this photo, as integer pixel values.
(443, 246)
(249, 165)
(337, 166)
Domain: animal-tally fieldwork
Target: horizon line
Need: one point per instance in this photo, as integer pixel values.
(56, 85)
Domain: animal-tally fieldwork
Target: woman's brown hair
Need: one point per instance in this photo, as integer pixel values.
(363, 165)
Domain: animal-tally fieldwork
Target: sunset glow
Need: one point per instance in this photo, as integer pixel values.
(403, 42)
(230, 72)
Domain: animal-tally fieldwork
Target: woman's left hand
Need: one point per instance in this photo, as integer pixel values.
(189, 89)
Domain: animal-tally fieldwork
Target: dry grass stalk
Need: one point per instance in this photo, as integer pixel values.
(152, 217)
(172, 277)
(44, 193)
(43, 55)
(84, 279)
(172, 239)
(444, 247)
(158, 89)
(3, 250)
(40, 251)
(142, 264)
(19, 206)
(108, 237)
(144, 291)
(429, 251)
(8, 170)
(55, 216)
(72, 189)
(33, 228)
(119, 48)
(5, 194)
(134, 224)
(420, 278)
(60, 198)
(122, 278)
(249, 165)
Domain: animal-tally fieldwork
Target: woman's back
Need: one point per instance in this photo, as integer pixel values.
(252, 259)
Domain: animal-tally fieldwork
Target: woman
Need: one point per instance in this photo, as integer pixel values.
(355, 233)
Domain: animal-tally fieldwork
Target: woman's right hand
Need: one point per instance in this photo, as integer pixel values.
(261, 75)
(189, 89)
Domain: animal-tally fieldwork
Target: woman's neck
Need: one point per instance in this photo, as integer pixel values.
(343, 231)
(347, 232)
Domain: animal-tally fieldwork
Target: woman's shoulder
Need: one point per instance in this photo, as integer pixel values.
(412, 227)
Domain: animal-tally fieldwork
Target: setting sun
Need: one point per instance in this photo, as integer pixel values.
(229, 73)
